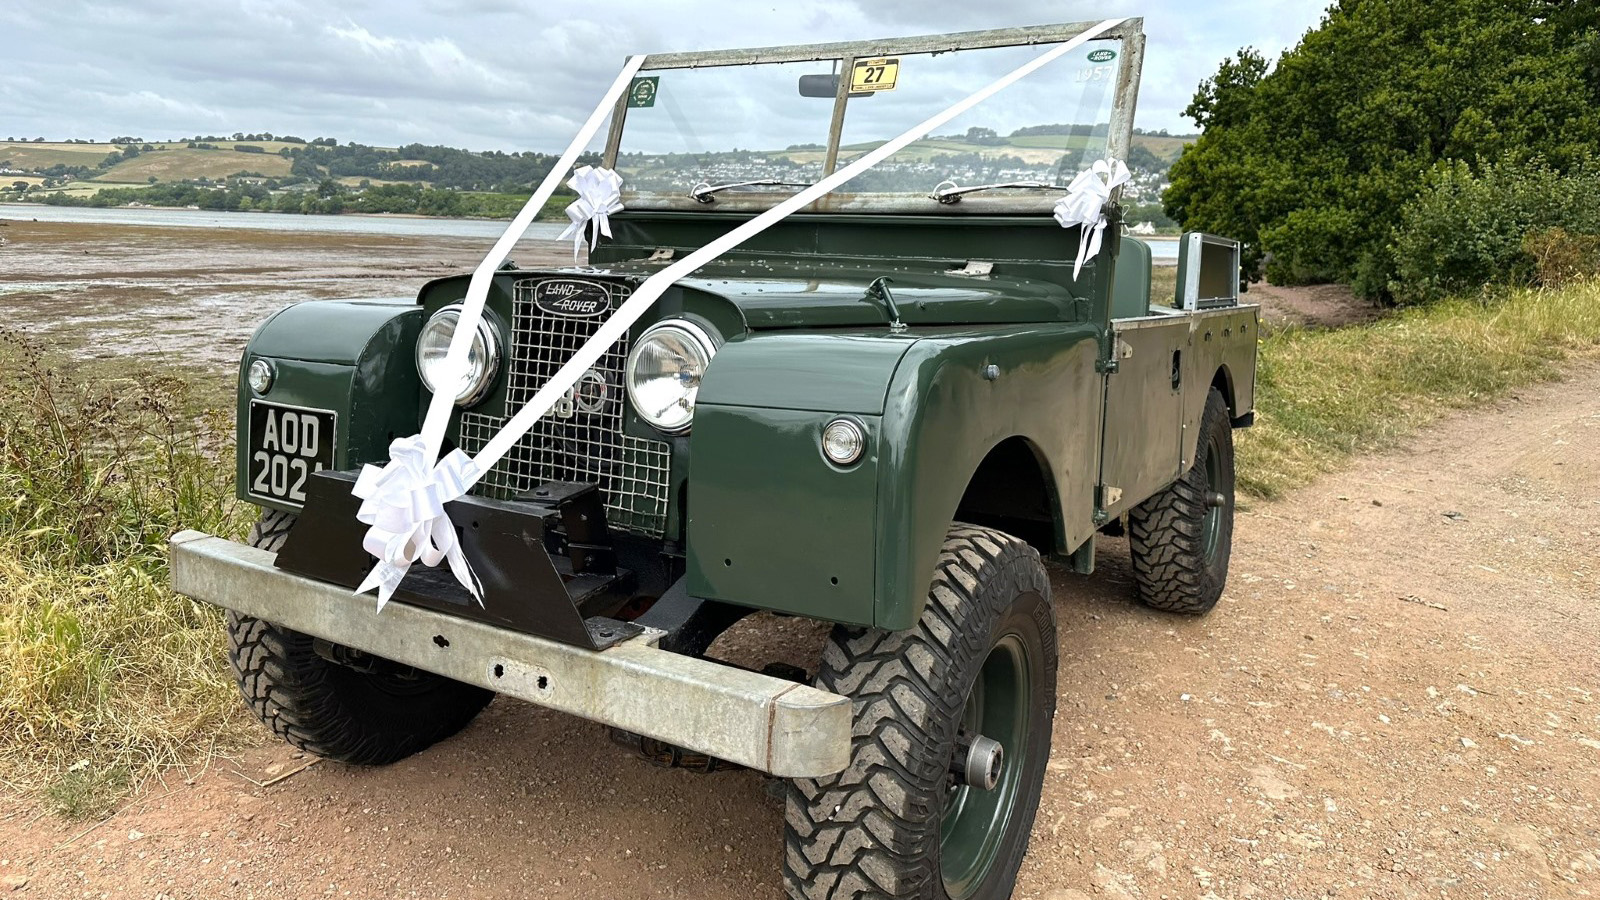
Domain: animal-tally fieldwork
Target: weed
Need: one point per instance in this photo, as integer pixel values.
(103, 670)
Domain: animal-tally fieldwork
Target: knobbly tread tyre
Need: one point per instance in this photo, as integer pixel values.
(1166, 533)
(328, 709)
(873, 831)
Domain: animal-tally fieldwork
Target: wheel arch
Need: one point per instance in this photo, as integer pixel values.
(1222, 382)
(1013, 489)
(961, 409)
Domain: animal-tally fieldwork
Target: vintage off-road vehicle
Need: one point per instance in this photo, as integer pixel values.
(881, 413)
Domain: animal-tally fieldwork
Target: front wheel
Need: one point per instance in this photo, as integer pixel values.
(360, 709)
(951, 738)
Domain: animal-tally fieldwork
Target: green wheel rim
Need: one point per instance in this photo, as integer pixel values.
(975, 821)
(1213, 520)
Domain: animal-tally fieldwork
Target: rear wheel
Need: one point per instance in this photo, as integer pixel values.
(951, 738)
(361, 709)
(1181, 538)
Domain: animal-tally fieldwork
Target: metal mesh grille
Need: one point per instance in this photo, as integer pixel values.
(580, 439)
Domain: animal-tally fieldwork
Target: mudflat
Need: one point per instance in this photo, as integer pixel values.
(191, 297)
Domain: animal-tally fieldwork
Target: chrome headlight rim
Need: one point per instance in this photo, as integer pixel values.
(261, 374)
(486, 333)
(698, 337)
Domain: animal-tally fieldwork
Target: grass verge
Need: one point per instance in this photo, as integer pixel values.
(106, 676)
(1322, 395)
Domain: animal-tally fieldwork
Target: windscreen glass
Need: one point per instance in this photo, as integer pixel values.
(1045, 128)
(724, 124)
(713, 129)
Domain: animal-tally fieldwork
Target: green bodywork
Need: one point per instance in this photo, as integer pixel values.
(1016, 396)
(769, 522)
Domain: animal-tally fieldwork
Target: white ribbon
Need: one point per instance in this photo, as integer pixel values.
(599, 195)
(1085, 204)
(411, 472)
(617, 325)
(403, 503)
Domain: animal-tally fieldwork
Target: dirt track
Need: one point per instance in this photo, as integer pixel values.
(1398, 697)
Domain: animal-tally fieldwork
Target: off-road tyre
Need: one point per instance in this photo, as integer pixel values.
(1180, 552)
(335, 711)
(875, 829)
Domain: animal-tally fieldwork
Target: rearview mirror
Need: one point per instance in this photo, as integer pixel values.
(825, 86)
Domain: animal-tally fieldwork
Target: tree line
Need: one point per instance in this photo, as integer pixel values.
(328, 198)
(1348, 159)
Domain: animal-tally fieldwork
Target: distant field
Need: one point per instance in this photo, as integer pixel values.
(1168, 148)
(42, 156)
(183, 163)
(355, 181)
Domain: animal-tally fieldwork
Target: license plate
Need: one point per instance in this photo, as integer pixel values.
(288, 445)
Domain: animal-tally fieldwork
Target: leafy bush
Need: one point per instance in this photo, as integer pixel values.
(1313, 159)
(1513, 224)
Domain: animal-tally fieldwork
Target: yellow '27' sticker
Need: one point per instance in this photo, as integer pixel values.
(874, 75)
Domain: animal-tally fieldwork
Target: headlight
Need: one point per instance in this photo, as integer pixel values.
(483, 357)
(261, 376)
(664, 372)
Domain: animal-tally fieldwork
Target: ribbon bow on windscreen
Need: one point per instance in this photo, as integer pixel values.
(403, 503)
(599, 195)
(1085, 204)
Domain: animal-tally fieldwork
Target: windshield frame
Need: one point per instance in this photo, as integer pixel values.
(1120, 133)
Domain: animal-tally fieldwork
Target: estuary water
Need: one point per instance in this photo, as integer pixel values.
(418, 226)
(1164, 250)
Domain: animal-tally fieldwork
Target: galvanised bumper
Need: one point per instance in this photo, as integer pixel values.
(775, 726)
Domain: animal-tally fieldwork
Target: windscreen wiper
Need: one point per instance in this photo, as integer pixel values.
(703, 191)
(950, 192)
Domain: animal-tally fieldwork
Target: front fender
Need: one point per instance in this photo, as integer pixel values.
(353, 357)
(774, 525)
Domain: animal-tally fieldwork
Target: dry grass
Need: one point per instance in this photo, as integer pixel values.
(106, 676)
(27, 155)
(183, 163)
(1323, 395)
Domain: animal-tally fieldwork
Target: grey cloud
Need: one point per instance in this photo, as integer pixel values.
(500, 74)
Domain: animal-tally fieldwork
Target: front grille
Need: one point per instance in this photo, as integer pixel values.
(581, 439)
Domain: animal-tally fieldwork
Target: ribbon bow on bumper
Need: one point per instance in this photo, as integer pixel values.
(403, 503)
(1085, 205)
(599, 195)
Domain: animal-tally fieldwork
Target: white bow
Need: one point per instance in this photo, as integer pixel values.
(403, 503)
(599, 195)
(1085, 205)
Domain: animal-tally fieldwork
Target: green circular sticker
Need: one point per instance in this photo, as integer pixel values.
(1102, 56)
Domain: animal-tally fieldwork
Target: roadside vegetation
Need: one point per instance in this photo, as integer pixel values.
(1322, 395)
(106, 676)
(1327, 162)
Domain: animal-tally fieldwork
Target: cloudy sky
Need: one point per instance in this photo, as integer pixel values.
(491, 74)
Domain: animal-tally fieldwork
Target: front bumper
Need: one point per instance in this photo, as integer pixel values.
(775, 726)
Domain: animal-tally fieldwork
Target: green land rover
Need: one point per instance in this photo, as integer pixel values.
(882, 413)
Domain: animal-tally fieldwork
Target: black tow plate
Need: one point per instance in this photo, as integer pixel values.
(288, 444)
(503, 542)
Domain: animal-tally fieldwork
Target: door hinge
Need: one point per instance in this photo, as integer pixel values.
(1120, 350)
(1106, 496)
